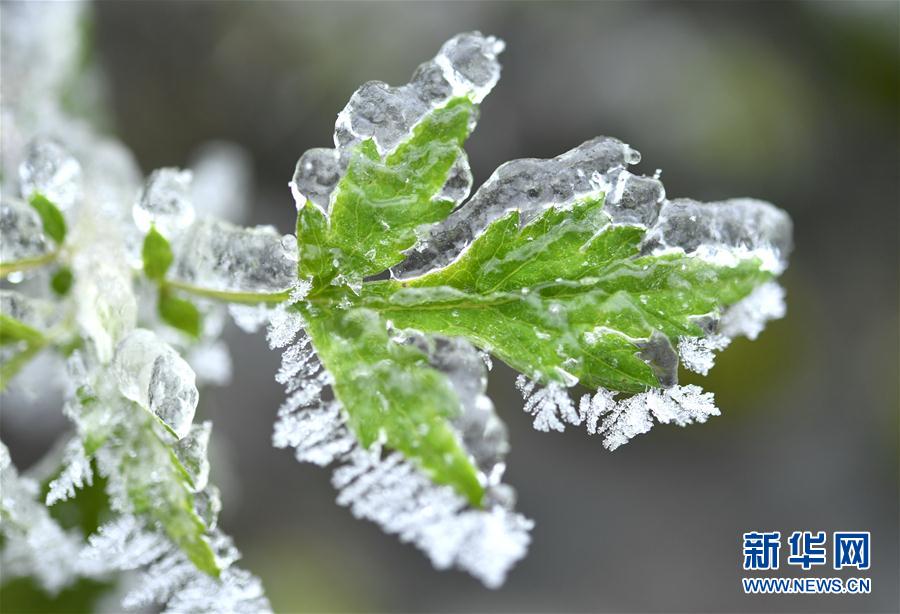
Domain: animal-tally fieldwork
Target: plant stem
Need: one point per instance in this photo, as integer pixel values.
(27, 263)
(251, 298)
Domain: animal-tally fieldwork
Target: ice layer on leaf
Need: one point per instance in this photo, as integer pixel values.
(465, 67)
(49, 169)
(21, 232)
(165, 202)
(216, 255)
(723, 232)
(531, 185)
(153, 375)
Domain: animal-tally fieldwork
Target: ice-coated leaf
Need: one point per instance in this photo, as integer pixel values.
(380, 202)
(568, 297)
(156, 254)
(399, 164)
(395, 493)
(393, 396)
(147, 478)
(51, 217)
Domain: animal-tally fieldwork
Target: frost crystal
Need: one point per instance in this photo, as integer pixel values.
(21, 232)
(698, 353)
(169, 578)
(403, 501)
(49, 169)
(153, 375)
(219, 256)
(35, 545)
(748, 317)
(551, 405)
(75, 474)
(465, 66)
(617, 420)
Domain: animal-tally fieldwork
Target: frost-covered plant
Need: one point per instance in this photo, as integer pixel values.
(388, 303)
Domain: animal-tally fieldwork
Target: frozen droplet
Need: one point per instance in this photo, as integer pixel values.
(316, 175)
(165, 202)
(219, 256)
(49, 169)
(21, 232)
(152, 374)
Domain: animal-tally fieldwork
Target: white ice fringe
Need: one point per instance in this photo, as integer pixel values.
(617, 420)
(169, 578)
(746, 318)
(76, 474)
(391, 491)
(749, 316)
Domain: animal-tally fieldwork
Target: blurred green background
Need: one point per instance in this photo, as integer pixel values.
(795, 103)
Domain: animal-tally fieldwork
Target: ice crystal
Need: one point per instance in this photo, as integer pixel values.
(403, 501)
(191, 452)
(49, 169)
(165, 202)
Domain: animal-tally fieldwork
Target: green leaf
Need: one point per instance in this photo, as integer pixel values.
(390, 391)
(51, 217)
(61, 282)
(179, 313)
(156, 254)
(379, 203)
(316, 256)
(566, 296)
